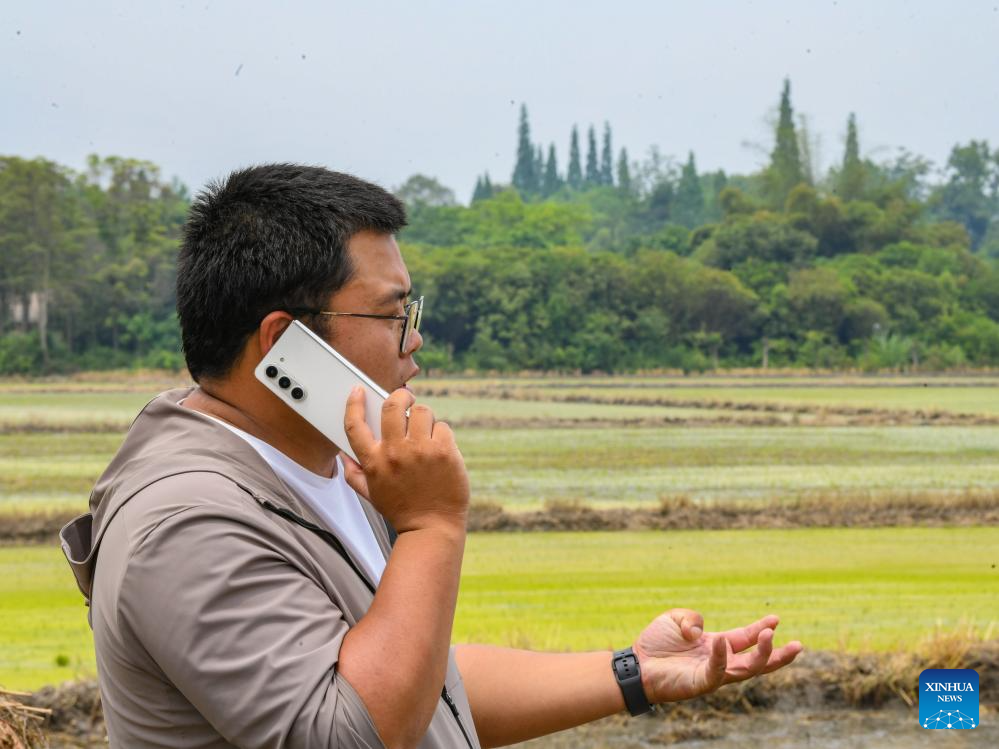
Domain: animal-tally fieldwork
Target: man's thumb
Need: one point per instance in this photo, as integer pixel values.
(353, 474)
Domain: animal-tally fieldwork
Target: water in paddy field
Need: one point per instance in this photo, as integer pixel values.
(827, 729)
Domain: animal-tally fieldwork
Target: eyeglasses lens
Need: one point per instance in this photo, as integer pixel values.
(414, 311)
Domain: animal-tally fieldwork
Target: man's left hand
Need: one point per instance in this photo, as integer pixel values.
(679, 660)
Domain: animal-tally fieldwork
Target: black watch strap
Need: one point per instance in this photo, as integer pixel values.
(629, 678)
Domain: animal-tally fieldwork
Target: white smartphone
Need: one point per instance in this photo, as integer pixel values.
(314, 379)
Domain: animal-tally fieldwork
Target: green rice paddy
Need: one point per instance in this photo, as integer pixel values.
(851, 589)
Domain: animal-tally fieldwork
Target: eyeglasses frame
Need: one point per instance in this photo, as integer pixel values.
(412, 320)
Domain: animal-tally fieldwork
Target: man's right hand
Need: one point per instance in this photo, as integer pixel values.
(415, 475)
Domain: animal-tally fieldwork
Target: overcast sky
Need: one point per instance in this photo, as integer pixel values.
(386, 89)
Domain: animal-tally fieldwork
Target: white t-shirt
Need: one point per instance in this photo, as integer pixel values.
(331, 499)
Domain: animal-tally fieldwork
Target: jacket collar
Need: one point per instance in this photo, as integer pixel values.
(167, 439)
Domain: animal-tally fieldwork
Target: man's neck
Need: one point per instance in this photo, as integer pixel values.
(274, 428)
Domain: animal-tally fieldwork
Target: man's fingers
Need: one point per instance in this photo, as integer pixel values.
(691, 623)
(421, 422)
(741, 638)
(354, 476)
(782, 656)
(750, 664)
(717, 662)
(443, 432)
(394, 415)
(358, 432)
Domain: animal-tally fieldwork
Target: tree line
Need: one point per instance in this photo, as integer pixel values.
(610, 265)
(87, 265)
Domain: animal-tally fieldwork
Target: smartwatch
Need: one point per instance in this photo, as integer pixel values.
(629, 678)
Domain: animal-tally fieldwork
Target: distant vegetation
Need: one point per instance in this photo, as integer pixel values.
(610, 264)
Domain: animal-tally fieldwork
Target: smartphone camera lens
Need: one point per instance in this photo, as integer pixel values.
(297, 393)
(271, 371)
(284, 382)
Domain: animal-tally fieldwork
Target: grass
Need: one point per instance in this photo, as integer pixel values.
(966, 400)
(458, 409)
(55, 409)
(850, 589)
(872, 589)
(524, 468)
(961, 396)
(43, 620)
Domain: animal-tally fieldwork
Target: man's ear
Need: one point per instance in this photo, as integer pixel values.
(271, 328)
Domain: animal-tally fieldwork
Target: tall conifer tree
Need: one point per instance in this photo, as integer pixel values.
(688, 208)
(592, 170)
(785, 169)
(574, 177)
(525, 179)
(539, 168)
(850, 182)
(607, 158)
(551, 182)
(483, 189)
(623, 172)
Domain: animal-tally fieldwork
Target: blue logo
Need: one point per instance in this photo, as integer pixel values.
(948, 698)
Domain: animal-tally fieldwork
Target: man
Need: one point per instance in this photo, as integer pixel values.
(243, 585)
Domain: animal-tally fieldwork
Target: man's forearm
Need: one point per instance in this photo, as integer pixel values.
(396, 656)
(518, 694)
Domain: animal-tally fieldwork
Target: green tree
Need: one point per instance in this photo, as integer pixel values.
(607, 158)
(574, 177)
(592, 169)
(483, 188)
(139, 218)
(853, 173)
(971, 193)
(689, 206)
(818, 298)
(525, 179)
(41, 240)
(552, 182)
(784, 171)
(539, 169)
(659, 205)
(763, 236)
(624, 173)
(421, 191)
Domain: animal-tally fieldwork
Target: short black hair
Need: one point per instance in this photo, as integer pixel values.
(268, 237)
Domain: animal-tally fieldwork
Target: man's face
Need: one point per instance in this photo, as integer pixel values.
(380, 286)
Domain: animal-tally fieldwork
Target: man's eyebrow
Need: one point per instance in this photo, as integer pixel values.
(396, 295)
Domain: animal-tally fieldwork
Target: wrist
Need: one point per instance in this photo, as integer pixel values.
(446, 523)
(631, 681)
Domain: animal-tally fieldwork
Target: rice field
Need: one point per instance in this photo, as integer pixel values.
(957, 396)
(618, 442)
(848, 589)
(612, 466)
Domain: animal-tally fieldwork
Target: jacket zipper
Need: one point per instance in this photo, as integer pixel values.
(457, 716)
(333, 541)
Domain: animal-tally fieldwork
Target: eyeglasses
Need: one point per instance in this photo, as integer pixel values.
(413, 312)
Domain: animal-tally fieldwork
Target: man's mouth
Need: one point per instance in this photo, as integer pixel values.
(405, 383)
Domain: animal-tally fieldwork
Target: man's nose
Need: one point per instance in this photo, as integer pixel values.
(414, 344)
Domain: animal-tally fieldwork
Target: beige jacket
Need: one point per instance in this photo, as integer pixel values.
(217, 601)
